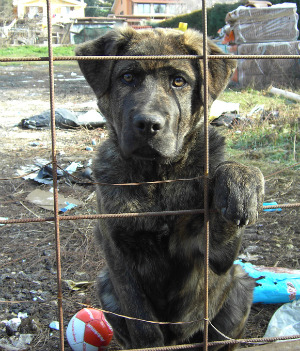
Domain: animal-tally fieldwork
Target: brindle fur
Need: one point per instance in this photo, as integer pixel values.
(155, 265)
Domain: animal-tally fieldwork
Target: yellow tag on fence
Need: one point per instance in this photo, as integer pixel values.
(182, 26)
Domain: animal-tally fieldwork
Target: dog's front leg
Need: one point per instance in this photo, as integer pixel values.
(237, 196)
(121, 292)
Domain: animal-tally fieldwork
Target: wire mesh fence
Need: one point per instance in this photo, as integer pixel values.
(55, 222)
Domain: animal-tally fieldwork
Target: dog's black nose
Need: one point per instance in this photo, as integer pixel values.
(148, 124)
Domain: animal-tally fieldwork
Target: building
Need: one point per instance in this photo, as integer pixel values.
(135, 11)
(62, 10)
(89, 28)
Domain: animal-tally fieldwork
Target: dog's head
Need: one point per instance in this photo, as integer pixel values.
(152, 107)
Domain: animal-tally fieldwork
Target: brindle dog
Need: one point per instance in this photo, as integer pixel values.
(155, 265)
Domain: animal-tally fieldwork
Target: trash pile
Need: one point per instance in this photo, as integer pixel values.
(260, 28)
(18, 332)
(225, 114)
(41, 172)
(277, 285)
(64, 119)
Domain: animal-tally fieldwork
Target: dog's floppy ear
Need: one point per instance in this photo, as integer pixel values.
(219, 70)
(97, 72)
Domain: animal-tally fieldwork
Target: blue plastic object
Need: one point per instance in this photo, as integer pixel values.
(271, 209)
(275, 285)
(67, 207)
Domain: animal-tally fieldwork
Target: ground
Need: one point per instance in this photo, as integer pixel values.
(27, 258)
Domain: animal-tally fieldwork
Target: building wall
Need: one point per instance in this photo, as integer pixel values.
(141, 9)
(123, 7)
(147, 7)
(61, 10)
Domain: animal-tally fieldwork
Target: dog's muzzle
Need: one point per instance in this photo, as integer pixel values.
(146, 126)
(146, 137)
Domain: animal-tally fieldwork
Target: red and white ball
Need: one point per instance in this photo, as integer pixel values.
(88, 330)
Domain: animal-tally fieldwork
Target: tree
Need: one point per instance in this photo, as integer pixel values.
(98, 8)
(6, 9)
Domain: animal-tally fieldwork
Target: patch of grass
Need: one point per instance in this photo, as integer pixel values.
(268, 137)
(248, 98)
(35, 51)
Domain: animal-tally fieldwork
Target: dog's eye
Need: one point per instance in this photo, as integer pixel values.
(128, 77)
(178, 82)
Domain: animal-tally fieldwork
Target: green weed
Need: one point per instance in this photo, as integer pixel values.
(35, 51)
(269, 137)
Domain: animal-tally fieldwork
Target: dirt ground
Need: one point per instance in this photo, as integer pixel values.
(27, 257)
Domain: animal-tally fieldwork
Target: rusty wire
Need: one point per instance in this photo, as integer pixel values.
(227, 341)
(57, 218)
(54, 175)
(127, 215)
(206, 175)
(252, 341)
(152, 57)
(269, 176)
(84, 182)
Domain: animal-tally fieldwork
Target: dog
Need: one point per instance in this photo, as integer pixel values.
(155, 265)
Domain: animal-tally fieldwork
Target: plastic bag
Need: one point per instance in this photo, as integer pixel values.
(285, 321)
(274, 284)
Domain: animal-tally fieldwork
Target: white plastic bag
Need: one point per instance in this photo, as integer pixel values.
(285, 321)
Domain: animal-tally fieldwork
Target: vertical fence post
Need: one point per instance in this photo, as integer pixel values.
(54, 171)
(206, 171)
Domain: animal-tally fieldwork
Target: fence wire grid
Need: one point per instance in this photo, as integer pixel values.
(56, 218)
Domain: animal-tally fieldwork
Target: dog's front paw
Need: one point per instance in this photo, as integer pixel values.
(238, 192)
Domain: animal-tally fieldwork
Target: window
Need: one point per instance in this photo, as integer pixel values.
(173, 9)
(65, 10)
(159, 8)
(32, 11)
(143, 9)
